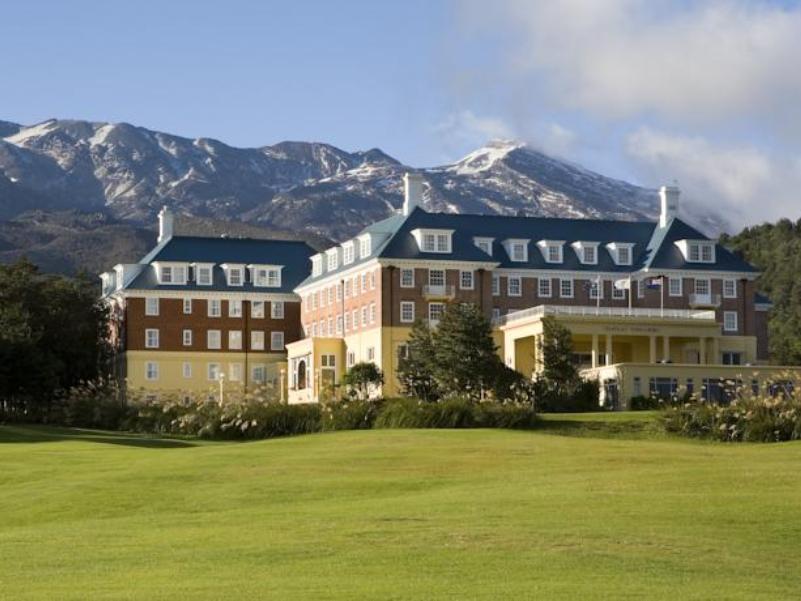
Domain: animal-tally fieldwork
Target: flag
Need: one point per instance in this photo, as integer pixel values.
(623, 284)
(589, 284)
(653, 282)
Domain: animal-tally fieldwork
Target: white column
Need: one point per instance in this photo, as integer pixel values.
(665, 348)
(652, 349)
(609, 349)
(594, 350)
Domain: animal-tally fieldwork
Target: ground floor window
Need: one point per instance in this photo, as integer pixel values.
(581, 358)
(151, 370)
(611, 393)
(213, 371)
(435, 311)
(732, 358)
(663, 388)
(259, 373)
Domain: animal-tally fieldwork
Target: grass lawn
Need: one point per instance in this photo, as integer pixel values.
(612, 513)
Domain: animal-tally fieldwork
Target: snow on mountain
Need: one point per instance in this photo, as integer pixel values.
(129, 172)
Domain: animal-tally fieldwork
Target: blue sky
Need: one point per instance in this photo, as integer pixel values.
(708, 93)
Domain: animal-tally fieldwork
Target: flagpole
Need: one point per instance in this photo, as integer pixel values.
(629, 293)
(661, 296)
(598, 295)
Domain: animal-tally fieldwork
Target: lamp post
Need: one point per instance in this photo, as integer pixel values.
(283, 374)
(222, 387)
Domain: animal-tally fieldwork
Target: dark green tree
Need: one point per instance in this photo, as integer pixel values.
(362, 378)
(559, 381)
(416, 365)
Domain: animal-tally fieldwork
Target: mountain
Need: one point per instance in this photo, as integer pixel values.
(127, 173)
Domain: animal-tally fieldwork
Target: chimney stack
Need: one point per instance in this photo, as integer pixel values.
(413, 192)
(166, 220)
(669, 204)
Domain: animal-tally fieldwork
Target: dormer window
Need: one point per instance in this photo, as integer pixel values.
(484, 244)
(234, 274)
(433, 241)
(347, 253)
(516, 249)
(697, 251)
(365, 246)
(333, 259)
(621, 252)
(587, 252)
(317, 265)
(551, 250)
(203, 273)
(171, 273)
(266, 276)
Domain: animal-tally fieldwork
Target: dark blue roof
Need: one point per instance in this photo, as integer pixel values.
(293, 255)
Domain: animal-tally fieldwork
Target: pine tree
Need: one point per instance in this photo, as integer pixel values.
(416, 367)
(559, 379)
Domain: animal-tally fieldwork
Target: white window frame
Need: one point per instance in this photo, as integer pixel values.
(552, 251)
(235, 270)
(234, 340)
(187, 306)
(186, 370)
(678, 290)
(348, 254)
(257, 309)
(617, 248)
(496, 285)
(332, 259)
(277, 310)
(151, 371)
(276, 341)
(513, 245)
(211, 336)
(365, 246)
(707, 283)
(152, 306)
(469, 285)
(257, 340)
(404, 273)
(618, 293)
(596, 289)
(214, 308)
(186, 337)
(234, 307)
(440, 310)
(407, 306)
(235, 372)
(730, 321)
(213, 372)
(204, 274)
(519, 280)
(437, 271)
(484, 244)
(434, 240)
(151, 338)
(729, 293)
(569, 293)
(544, 287)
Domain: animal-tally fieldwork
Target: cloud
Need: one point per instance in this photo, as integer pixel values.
(464, 129)
(747, 184)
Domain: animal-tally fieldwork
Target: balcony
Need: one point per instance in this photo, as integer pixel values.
(705, 300)
(541, 311)
(439, 291)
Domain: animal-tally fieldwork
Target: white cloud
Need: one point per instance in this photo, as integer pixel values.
(744, 184)
(465, 130)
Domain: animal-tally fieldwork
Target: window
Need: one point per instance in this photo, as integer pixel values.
(618, 293)
(213, 339)
(347, 321)
(277, 309)
(350, 358)
(514, 286)
(203, 276)
(624, 255)
(596, 289)
(187, 337)
(339, 291)
(637, 387)
(347, 288)
(544, 287)
(365, 315)
(371, 353)
(235, 276)
(257, 309)
(484, 244)
(215, 307)
(355, 318)
(151, 338)
(590, 255)
(407, 278)
(166, 274)
(496, 285)
(332, 260)
(674, 286)
(436, 277)
(151, 370)
(277, 341)
(554, 254)
(330, 295)
(702, 287)
(466, 280)
(407, 311)
(186, 369)
(434, 242)
(566, 288)
(328, 361)
(730, 321)
(235, 340)
(698, 252)
(187, 306)
(706, 253)
(317, 265)
(496, 313)
(235, 372)
(339, 324)
(267, 277)
(364, 282)
(732, 358)
(519, 252)
(259, 373)
(213, 371)
(372, 313)
(365, 248)
(435, 311)
(151, 306)
(443, 243)
(729, 288)
(330, 326)
(347, 253)
(257, 340)
(663, 388)
(234, 308)
(314, 301)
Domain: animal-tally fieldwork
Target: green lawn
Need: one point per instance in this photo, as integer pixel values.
(400, 514)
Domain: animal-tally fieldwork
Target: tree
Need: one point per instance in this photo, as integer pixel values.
(362, 378)
(559, 385)
(416, 366)
(466, 360)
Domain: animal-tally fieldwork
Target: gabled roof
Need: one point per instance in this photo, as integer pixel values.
(664, 254)
(293, 255)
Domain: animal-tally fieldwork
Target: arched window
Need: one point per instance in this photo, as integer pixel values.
(301, 374)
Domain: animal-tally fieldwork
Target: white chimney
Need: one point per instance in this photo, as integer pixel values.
(166, 220)
(669, 204)
(412, 191)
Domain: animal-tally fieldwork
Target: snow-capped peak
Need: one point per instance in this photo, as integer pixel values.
(485, 157)
(34, 131)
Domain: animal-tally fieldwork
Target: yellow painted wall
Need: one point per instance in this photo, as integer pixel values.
(170, 365)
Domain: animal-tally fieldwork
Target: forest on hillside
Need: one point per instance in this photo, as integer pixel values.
(775, 249)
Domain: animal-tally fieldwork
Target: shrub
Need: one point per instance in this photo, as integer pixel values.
(362, 379)
(454, 412)
(350, 414)
(94, 404)
(582, 396)
(644, 403)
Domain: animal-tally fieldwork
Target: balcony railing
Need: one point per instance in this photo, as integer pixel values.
(705, 300)
(439, 291)
(586, 311)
